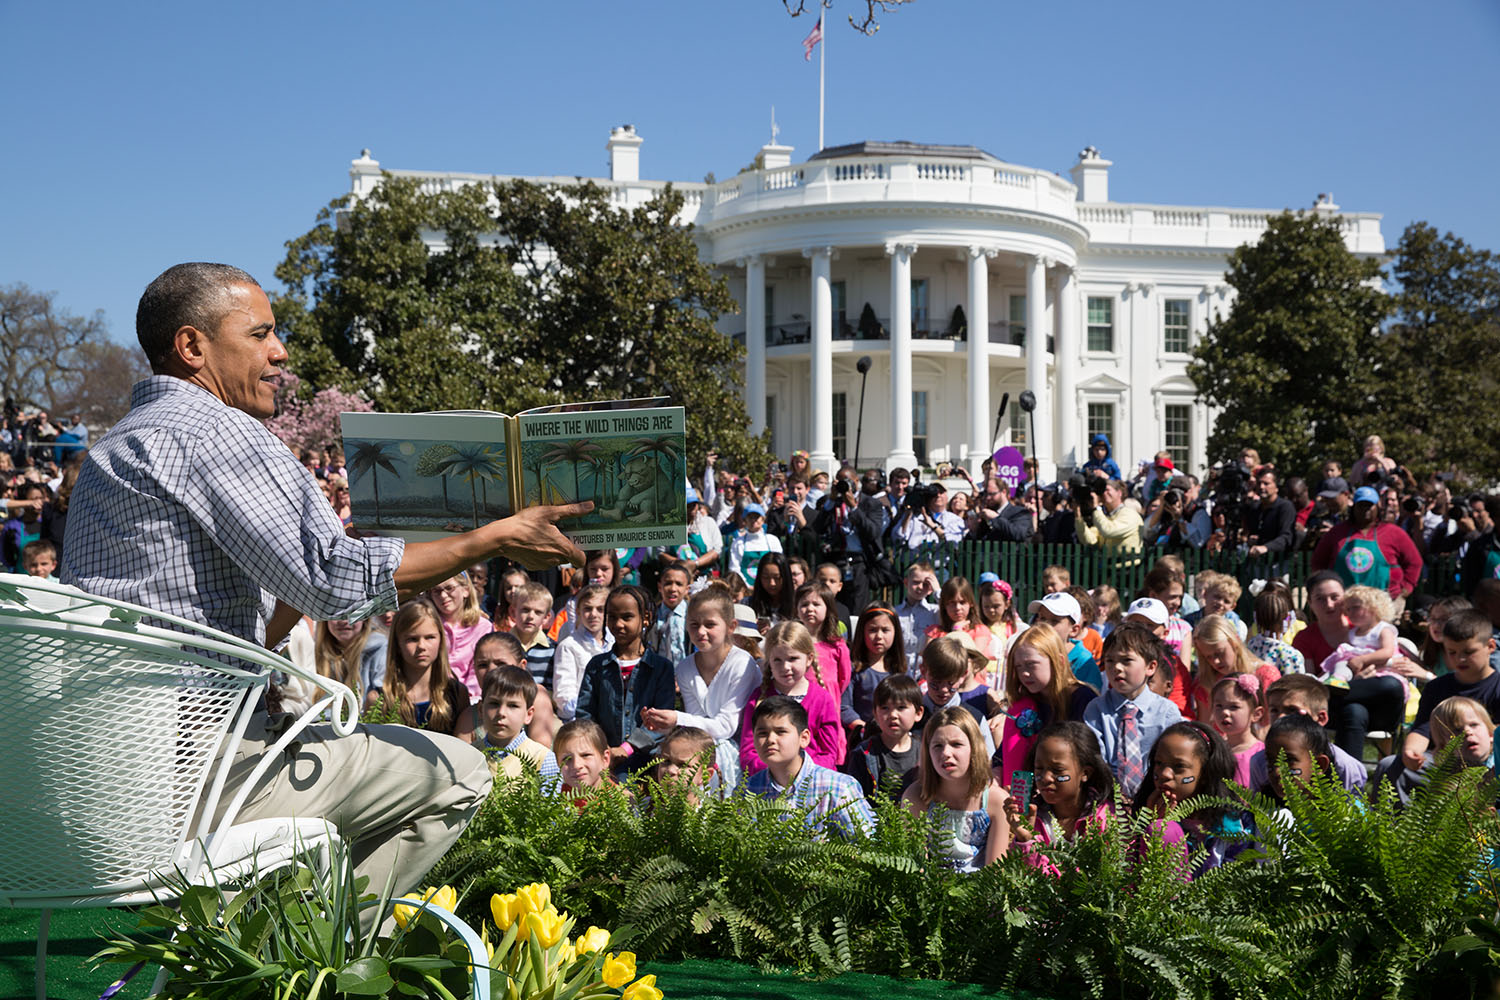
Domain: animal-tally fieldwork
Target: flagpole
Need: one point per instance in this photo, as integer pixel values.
(822, 63)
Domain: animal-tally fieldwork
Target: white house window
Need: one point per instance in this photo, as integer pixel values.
(1174, 326)
(919, 305)
(770, 309)
(1101, 335)
(1177, 427)
(1019, 424)
(1018, 320)
(1102, 420)
(840, 307)
(771, 423)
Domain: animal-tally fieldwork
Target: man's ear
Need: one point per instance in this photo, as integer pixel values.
(188, 348)
(1322, 717)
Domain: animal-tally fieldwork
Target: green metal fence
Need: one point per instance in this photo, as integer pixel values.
(1021, 566)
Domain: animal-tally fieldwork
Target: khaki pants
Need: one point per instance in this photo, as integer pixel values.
(399, 797)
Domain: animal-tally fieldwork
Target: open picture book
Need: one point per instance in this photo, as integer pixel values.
(426, 475)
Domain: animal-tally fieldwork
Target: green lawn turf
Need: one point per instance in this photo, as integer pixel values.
(76, 935)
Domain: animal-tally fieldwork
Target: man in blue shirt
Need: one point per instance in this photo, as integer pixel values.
(190, 506)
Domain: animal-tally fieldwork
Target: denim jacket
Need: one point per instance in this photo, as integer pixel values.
(603, 697)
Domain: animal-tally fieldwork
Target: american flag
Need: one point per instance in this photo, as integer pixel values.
(813, 38)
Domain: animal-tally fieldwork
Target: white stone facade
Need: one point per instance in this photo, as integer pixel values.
(913, 231)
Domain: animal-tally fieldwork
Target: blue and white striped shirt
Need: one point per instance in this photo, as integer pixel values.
(192, 507)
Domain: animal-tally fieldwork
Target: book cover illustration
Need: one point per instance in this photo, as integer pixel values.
(631, 463)
(426, 475)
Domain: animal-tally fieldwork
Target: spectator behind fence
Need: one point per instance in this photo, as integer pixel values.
(1108, 521)
(1270, 526)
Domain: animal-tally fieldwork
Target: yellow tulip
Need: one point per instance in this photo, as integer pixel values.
(444, 897)
(505, 909)
(618, 969)
(534, 898)
(592, 940)
(643, 989)
(566, 952)
(405, 914)
(545, 928)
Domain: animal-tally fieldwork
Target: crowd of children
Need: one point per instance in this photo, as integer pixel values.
(1009, 734)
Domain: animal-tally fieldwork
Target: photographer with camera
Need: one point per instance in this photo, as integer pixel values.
(848, 525)
(1180, 520)
(924, 518)
(1103, 517)
(790, 507)
(999, 519)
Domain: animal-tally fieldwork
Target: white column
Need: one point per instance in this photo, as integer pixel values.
(1065, 357)
(981, 430)
(901, 455)
(821, 454)
(1036, 363)
(755, 341)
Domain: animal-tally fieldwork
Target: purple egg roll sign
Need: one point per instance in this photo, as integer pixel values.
(1010, 466)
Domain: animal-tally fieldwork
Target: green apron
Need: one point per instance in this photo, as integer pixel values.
(1360, 563)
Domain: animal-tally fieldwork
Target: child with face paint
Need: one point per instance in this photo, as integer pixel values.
(1189, 760)
(1295, 746)
(1073, 785)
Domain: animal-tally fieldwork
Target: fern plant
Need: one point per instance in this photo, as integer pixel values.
(1351, 899)
(1363, 894)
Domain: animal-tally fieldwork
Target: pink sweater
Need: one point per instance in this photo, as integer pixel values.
(835, 666)
(828, 743)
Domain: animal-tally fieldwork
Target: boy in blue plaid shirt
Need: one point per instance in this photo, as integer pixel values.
(831, 799)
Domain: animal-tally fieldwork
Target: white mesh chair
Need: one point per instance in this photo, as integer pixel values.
(117, 735)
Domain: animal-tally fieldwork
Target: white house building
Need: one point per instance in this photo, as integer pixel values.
(938, 263)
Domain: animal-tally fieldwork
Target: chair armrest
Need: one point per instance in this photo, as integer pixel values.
(479, 966)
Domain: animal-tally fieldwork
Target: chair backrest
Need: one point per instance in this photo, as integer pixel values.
(108, 730)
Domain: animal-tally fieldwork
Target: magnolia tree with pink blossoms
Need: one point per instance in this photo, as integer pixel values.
(311, 423)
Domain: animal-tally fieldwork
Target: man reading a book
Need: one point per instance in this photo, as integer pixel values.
(190, 506)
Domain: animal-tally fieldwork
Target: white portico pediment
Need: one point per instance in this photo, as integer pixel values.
(1103, 382)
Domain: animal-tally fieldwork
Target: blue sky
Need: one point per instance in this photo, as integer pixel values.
(141, 135)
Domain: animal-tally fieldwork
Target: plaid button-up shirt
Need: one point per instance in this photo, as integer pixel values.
(192, 507)
(829, 797)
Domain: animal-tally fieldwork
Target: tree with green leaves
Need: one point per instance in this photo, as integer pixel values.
(478, 464)
(1296, 368)
(432, 463)
(508, 295)
(371, 457)
(1442, 344)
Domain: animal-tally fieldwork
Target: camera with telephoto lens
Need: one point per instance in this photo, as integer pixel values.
(919, 495)
(1086, 490)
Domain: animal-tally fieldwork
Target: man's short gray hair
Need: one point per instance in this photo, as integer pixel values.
(191, 294)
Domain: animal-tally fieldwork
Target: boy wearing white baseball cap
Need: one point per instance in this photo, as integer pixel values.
(1170, 679)
(1060, 612)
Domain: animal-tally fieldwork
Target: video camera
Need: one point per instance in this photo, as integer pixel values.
(918, 495)
(1085, 491)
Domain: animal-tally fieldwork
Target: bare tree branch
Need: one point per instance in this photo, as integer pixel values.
(868, 26)
(47, 355)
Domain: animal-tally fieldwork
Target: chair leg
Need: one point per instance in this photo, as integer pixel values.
(43, 926)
